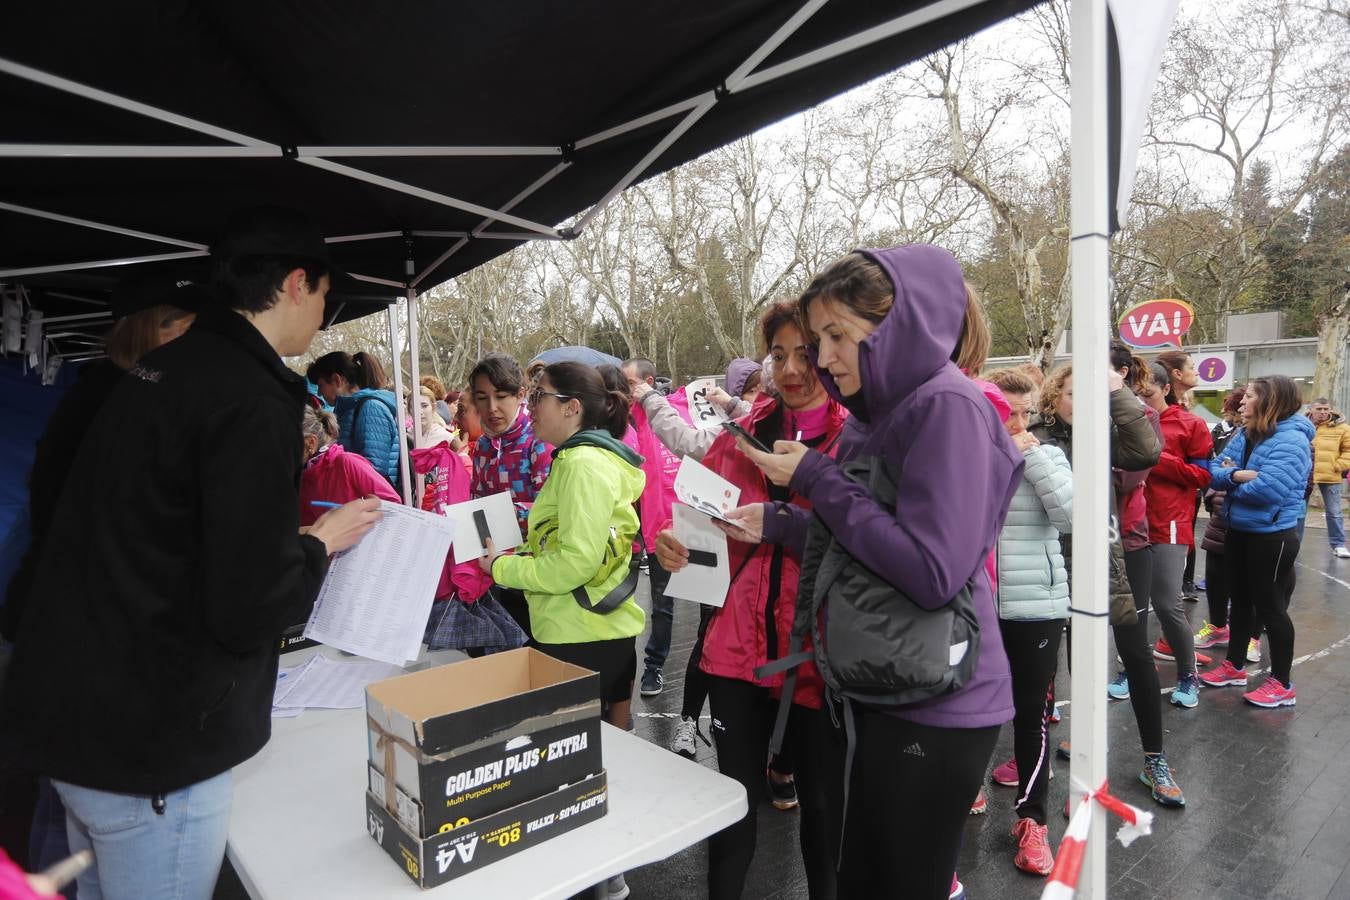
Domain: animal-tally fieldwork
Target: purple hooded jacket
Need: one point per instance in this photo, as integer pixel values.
(739, 371)
(958, 472)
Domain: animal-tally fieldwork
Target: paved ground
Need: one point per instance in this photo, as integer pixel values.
(1268, 791)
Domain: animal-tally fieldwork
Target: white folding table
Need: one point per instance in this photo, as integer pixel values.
(297, 828)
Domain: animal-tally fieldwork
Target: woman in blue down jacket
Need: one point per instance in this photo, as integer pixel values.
(1264, 470)
(367, 413)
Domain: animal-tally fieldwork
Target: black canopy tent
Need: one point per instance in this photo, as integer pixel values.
(425, 138)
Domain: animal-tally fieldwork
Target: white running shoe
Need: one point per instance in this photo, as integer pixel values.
(683, 741)
(1341, 553)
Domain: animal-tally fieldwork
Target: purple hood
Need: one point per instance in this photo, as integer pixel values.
(958, 471)
(739, 371)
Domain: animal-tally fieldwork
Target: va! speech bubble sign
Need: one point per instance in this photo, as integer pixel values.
(1156, 323)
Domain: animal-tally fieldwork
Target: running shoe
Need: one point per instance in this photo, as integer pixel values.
(1188, 593)
(1225, 675)
(617, 889)
(1254, 650)
(1055, 716)
(1211, 636)
(981, 804)
(1163, 650)
(653, 682)
(1119, 688)
(1006, 774)
(782, 794)
(1033, 847)
(1064, 750)
(1200, 585)
(683, 741)
(1187, 693)
(1271, 694)
(958, 891)
(1341, 553)
(1158, 776)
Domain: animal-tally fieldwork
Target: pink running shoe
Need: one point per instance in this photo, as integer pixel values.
(981, 804)
(1271, 694)
(1223, 676)
(1006, 774)
(1211, 636)
(1033, 847)
(1163, 650)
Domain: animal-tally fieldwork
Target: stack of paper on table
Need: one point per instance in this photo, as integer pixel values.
(322, 683)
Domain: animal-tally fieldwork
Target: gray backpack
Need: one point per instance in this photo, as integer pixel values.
(871, 643)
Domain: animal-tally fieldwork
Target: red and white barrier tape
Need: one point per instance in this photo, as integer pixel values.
(1135, 823)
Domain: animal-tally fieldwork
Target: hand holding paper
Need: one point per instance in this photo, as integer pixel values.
(707, 575)
(705, 490)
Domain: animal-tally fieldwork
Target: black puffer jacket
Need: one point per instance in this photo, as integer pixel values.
(1134, 447)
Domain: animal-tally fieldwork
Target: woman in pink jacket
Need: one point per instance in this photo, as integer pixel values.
(331, 474)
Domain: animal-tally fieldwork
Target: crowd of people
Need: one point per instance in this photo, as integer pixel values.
(904, 505)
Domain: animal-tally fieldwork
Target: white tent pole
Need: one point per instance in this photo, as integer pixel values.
(387, 282)
(396, 152)
(100, 226)
(101, 263)
(369, 236)
(136, 151)
(423, 193)
(395, 354)
(507, 207)
(414, 398)
(1090, 271)
(28, 73)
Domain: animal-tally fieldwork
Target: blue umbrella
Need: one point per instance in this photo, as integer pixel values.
(576, 354)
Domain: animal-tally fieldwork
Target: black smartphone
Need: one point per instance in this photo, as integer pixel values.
(480, 520)
(736, 429)
(703, 558)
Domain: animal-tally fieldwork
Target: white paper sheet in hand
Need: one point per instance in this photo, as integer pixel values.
(377, 596)
(705, 490)
(705, 579)
(501, 520)
(702, 411)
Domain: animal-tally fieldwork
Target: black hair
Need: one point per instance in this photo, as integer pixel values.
(601, 407)
(642, 366)
(251, 282)
(1163, 379)
(615, 380)
(362, 370)
(500, 369)
(330, 364)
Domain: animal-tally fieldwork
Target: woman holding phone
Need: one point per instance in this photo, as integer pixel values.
(753, 625)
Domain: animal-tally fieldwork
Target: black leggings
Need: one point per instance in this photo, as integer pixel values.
(907, 806)
(1033, 652)
(1136, 653)
(1216, 589)
(695, 679)
(1261, 578)
(743, 717)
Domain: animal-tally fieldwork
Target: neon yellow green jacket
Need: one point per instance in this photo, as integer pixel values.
(581, 531)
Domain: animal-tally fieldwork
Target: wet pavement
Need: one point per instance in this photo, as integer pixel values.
(1267, 791)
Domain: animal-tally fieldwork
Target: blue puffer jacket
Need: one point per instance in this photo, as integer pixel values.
(1273, 501)
(1033, 582)
(377, 434)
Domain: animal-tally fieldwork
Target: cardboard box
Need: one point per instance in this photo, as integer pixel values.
(432, 861)
(457, 743)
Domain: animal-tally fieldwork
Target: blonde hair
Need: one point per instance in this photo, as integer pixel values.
(972, 350)
(320, 425)
(1011, 381)
(137, 334)
(1052, 391)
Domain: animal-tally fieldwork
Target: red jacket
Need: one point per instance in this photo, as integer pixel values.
(336, 476)
(1173, 482)
(737, 640)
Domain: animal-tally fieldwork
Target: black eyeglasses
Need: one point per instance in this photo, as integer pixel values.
(537, 394)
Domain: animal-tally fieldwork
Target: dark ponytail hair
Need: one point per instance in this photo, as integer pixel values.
(1172, 360)
(1162, 377)
(361, 370)
(1137, 376)
(602, 407)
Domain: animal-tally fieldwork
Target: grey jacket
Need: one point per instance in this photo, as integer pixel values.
(678, 436)
(1033, 581)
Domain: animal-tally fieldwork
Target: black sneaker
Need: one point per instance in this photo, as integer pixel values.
(653, 682)
(782, 795)
(1189, 593)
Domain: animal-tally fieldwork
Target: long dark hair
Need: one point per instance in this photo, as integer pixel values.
(361, 370)
(601, 407)
(1277, 398)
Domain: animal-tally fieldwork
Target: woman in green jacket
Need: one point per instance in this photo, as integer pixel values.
(577, 557)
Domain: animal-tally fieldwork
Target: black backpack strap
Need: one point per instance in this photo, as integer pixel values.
(611, 601)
